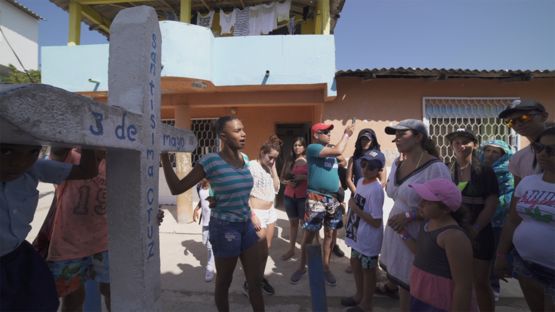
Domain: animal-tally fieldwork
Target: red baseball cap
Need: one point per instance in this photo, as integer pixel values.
(320, 127)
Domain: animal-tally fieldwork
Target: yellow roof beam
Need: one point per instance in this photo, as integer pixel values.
(91, 2)
(96, 18)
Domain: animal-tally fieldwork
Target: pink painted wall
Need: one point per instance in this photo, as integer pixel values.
(378, 103)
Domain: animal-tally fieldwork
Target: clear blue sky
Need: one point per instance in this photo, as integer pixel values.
(473, 34)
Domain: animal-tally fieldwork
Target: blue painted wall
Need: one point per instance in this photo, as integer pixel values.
(191, 51)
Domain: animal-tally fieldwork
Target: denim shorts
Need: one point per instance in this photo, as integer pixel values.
(366, 262)
(322, 210)
(543, 275)
(294, 207)
(230, 239)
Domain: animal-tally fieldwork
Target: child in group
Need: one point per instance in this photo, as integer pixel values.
(79, 239)
(25, 280)
(364, 231)
(202, 214)
(441, 275)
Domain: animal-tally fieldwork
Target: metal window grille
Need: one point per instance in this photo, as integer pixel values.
(444, 115)
(208, 142)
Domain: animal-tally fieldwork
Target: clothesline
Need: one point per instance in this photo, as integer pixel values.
(255, 20)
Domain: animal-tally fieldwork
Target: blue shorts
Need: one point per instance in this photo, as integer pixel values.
(230, 239)
(543, 275)
(294, 207)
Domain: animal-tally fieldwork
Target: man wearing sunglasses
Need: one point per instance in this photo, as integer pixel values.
(527, 118)
(322, 205)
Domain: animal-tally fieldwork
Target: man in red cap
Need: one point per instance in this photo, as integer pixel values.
(322, 206)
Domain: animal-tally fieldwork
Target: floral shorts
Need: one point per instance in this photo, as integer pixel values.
(366, 262)
(322, 210)
(71, 274)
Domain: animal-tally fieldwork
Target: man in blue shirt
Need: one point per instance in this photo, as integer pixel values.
(322, 206)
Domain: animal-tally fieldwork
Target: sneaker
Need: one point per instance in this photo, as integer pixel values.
(245, 289)
(208, 276)
(338, 252)
(267, 288)
(330, 278)
(496, 296)
(296, 277)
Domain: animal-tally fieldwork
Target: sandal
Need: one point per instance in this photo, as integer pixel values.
(382, 289)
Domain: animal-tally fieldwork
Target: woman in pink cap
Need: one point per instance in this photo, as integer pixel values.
(441, 274)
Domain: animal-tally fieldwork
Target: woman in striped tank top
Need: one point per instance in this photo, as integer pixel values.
(231, 231)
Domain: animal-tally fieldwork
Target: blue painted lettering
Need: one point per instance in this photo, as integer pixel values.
(150, 196)
(152, 121)
(131, 133)
(150, 250)
(151, 171)
(98, 117)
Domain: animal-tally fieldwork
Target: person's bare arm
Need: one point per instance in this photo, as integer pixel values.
(364, 216)
(485, 216)
(275, 178)
(175, 185)
(383, 177)
(87, 168)
(459, 255)
(349, 177)
(340, 147)
(506, 239)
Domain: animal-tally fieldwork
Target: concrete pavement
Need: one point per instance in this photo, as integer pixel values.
(182, 271)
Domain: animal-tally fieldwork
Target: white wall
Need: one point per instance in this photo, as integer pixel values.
(22, 32)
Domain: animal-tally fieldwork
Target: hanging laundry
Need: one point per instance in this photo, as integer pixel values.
(254, 12)
(283, 10)
(262, 19)
(291, 25)
(267, 20)
(242, 22)
(205, 20)
(227, 21)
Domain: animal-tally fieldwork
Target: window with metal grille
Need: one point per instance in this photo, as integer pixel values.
(444, 115)
(208, 142)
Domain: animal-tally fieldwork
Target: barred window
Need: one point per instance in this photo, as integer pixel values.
(444, 115)
(208, 142)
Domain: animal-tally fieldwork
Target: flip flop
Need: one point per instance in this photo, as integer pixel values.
(382, 289)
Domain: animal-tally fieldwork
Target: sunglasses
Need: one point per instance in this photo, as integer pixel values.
(326, 132)
(510, 122)
(549, 149)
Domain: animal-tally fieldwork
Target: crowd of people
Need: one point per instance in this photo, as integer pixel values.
(455, 229)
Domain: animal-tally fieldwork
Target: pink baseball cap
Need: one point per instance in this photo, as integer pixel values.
(440, 190)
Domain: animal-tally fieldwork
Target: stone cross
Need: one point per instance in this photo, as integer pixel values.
(130, 129)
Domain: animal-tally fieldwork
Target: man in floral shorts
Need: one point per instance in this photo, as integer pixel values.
(322, 206)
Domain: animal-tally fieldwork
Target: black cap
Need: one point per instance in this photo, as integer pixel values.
(377, 159)
(522, 106)
(408, 124)
(462, 132)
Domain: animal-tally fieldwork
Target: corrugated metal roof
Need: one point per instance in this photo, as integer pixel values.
(444, 73)
(24, 9)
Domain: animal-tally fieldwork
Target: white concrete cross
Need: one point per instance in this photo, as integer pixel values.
(130, 129)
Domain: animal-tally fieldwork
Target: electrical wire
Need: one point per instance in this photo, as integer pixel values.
(16, 56)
